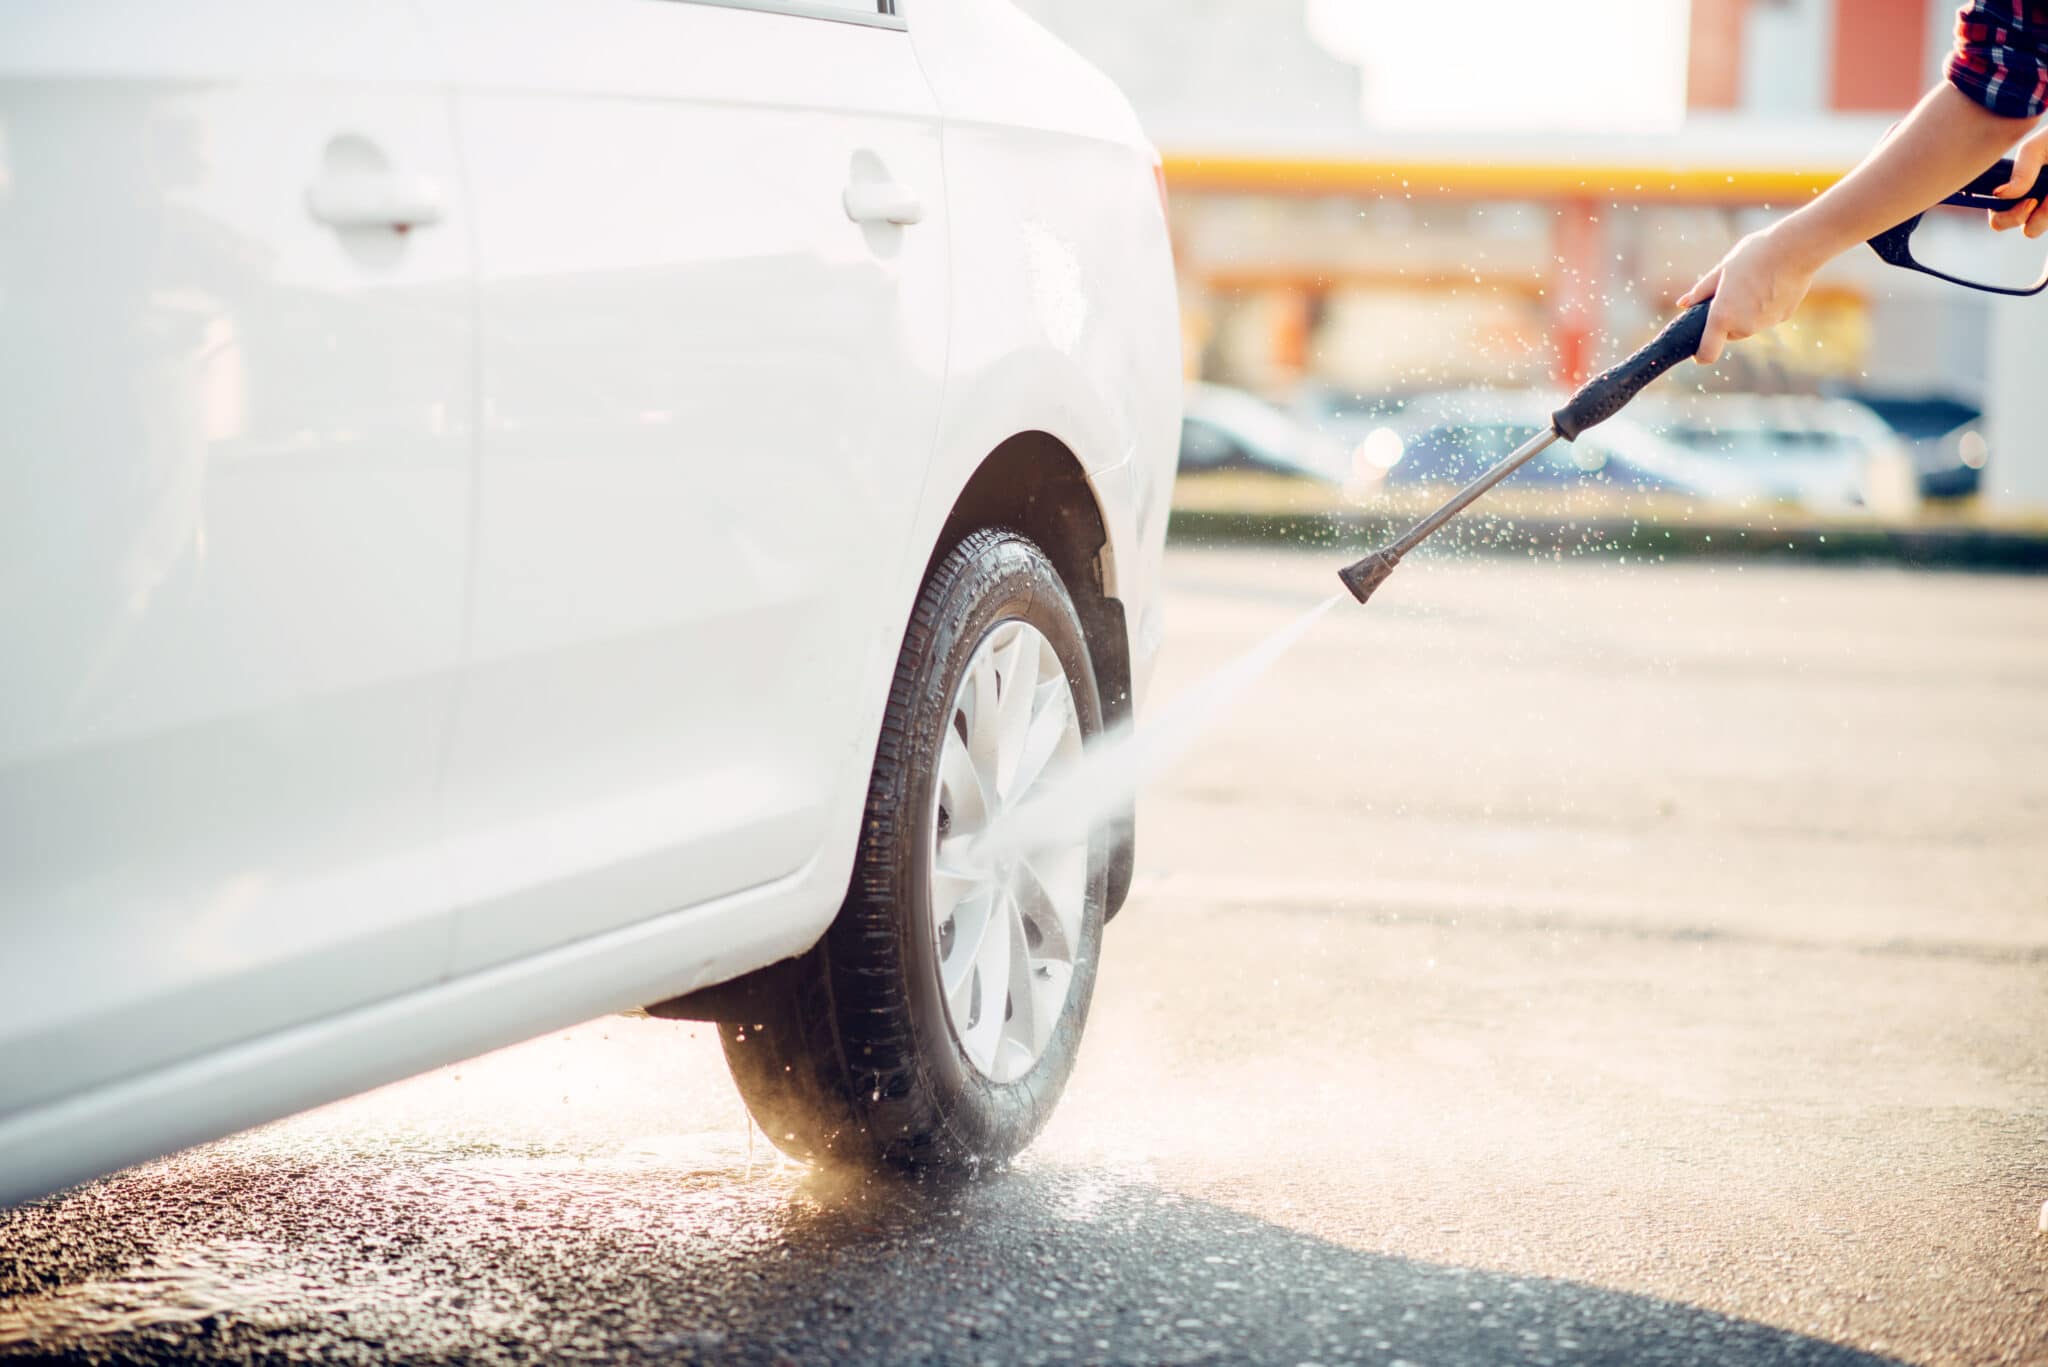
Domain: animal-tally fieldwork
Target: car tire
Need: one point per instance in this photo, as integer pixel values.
(853, 1052)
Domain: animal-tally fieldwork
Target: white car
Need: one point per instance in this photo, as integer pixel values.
(521, 509)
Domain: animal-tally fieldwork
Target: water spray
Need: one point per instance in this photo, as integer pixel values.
(1116, 767)
(1109, 776)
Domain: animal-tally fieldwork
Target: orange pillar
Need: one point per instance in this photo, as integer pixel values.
(1291, 323)
(1713, 66)
(1880, 57)
(1578, 289)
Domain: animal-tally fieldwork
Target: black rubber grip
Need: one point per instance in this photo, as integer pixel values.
(1606, 394)
(1999, 175)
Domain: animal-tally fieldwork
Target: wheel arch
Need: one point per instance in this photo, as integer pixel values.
(1032, 484)
(1035, 485)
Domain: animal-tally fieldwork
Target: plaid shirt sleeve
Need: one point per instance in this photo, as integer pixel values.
(2001, 56)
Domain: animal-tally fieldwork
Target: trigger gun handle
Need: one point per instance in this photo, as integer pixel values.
(1895, 244)
(1978, 193)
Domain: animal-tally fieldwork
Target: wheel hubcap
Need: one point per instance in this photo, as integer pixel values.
(1008, 926)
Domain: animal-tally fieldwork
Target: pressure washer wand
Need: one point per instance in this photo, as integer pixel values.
(1599, 399)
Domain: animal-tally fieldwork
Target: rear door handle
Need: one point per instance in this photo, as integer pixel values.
(882, 201)
(375, 199)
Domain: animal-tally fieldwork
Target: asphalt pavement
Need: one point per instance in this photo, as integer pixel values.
(1556, 962)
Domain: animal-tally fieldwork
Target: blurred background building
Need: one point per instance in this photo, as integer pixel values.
(1381, 199)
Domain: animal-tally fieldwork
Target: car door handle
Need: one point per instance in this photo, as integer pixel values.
(882, 201)
(375, 199)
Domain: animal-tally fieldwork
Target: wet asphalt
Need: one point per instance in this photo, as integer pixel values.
(1556, 963)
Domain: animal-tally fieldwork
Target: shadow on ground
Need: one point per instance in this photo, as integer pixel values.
(386, 1255)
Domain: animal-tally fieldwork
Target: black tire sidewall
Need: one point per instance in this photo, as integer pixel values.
(1007, 579)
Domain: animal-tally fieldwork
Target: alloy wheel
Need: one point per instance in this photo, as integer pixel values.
(1007, 923)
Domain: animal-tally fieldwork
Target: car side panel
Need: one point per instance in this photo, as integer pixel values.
(710, 399)
(1065, 316)
(200, 1098)
(234, 530)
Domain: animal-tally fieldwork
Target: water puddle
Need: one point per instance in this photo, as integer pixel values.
(182, 1288)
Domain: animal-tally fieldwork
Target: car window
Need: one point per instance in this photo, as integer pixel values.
(1762, 443)
(1584, 455)
(1481, 440)
(1203, 445)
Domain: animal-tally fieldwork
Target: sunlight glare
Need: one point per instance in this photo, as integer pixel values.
(1507, 64)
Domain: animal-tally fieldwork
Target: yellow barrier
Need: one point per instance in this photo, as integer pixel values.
(1242, 174)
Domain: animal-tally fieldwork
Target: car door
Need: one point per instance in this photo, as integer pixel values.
(712, 253)
(236, 368)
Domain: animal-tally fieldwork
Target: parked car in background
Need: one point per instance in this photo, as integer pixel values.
(1228, 429)
(1453, 437)
(1821, 453)
(1944, 435)
(1346, 415)
(514, 512)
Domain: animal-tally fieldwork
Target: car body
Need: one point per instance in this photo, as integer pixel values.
(1945, 436)
(1821, 453)
(1824, 453)
(1224, 428)
(1450, 437)
(470, 467)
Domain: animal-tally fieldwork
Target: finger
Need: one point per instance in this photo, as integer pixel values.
(1714, 338)
(2037, 222)
(1711, 342)
(2002, 219)
(2027, 161)
(1703, 288)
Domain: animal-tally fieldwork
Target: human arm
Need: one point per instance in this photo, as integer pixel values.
(2001, 62)
(1947, 139)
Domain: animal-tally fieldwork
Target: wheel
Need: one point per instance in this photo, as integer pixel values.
(936, 1023)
